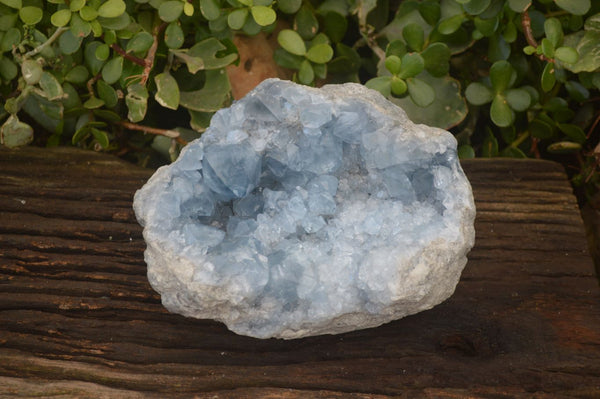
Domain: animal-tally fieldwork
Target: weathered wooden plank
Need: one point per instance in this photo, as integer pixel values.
(79, 319)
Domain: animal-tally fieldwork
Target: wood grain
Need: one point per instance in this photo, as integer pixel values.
(78, 318)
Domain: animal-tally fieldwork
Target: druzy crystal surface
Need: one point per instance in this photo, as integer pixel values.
(305, 211)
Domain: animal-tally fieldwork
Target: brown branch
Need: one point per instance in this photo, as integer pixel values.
(526, 24)
(172, 134)
(136, 60)
(90, 84)
(149, 61)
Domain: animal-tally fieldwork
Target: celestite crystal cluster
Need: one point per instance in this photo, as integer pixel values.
(305, 211)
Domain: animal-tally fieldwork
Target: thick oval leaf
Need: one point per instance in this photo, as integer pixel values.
(414, 36)
(107, 94)
(91, 103)
(8, 69)
(398, 86)
(542, 128)
(188, 9)
(476, 7)
(206, 51)
(169, 11)
(465, 151)
(102, 52)
(117, 23)
(289, 6)
(554, 31)
(112, 9)
(577, 91)
(15, 133)
(237, 18)
(382, 84)
(306, 74)
(478, 93)
(111, 72)
(566, 54)
(306, 23)
(335, 27)
(51, 86)
(76, 5)
(487, 27)
(412, 65)
(573, 132)
(437, 57)
(291, 41)
(251, 28)
(101, 137)
(451, 25)
(79, 27)
(518, 99)
(174, 36)
(31, 15)
(68, 43)
(577, 7)
(263, 15)
(140, 42)
(548, 78)
(500, 112)
(137, 102)
(88, 13)
(31, 71)
(167, 90)
(61, 17)
(489, 147)
(210, 9)
(501, 75)
(518, 5)
(392, 64)
(430, 11)
(212, 97)
(420, 92)
(12, 3)
(320, 54)
(287, 60)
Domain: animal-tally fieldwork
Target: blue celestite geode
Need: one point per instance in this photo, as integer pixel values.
(305, 211)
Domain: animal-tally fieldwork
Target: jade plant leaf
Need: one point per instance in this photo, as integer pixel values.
(212, 97)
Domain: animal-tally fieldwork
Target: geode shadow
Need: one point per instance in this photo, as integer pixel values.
(306, 211)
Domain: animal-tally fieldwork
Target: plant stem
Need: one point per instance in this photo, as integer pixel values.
(149, 61)
(172, 134)
(127, 56)
(526, 24)
(50, 40)
(519, 140)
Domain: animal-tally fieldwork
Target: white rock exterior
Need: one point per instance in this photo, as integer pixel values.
(305, 211)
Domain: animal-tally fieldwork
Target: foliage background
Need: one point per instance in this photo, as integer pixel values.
(138, 78)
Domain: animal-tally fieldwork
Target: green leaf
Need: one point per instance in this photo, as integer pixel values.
(289, 6)
(306, 74)
(489, 147)
(12, 3)
(412, 65)
(518, 99)
(392, 64)
(306, 23)
(465, 151)
(573, 132)
(396, 47)
(210, 9)
(588, 50)
(15, 133)
(212, 96)
(547, 48)
(140, 42)
(398, 86)
(320, 54)
(382, 84)
(291, 41)
(111, 72)
(102, 52)
(263, 15)
(414, 36)
(500, 112)
(518, 5)
(541, 128)
(451, 24)
(476, 7)
(487, 27)
(287, 60)
(577, 7)
(76, 5)
(363, 8)
(577, 91)
(498, 48)
(188, 9)
(61, 17)
(513, 152)
(548, 78)
(79, 27)
(566, 54)
(206, 53)
(335, 27)
(8, 21)
(169, 11)
(251, 28)
(117, 23)
(101, 137)
(51, 86)
(107, 94)
(501, 75)
(174, 36)
(564, 147)
(237, 18)
(420, 92)
(430, 11)
(510, 32)
(436, 57)
(31, 71)
(112, 9)
(137, 102)
(478, 93)
(554, 31)
(31, 15)
(8, 69)
(167, 90)
(88, 13)
(93, 103)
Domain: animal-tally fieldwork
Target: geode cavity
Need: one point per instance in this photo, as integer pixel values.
(306, 211)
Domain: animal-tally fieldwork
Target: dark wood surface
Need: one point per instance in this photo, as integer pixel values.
(79, 319)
